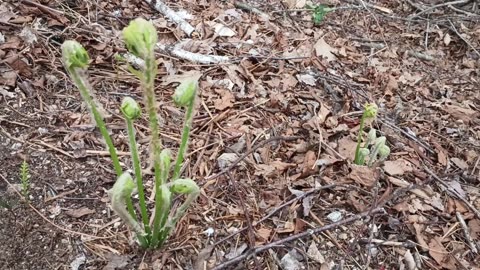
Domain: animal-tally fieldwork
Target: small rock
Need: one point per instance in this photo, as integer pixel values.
(335, 216)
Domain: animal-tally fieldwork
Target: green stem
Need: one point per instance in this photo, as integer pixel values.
(84, 91)
(138, 174)
(80, 82)
(359, 140)
(162, 209)
(148, 85)
(185, 135)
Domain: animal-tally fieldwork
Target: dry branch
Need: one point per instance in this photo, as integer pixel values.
(172, 15)
(294, 237)
(178, 52)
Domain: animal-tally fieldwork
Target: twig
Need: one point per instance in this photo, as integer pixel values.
(462, 11)
(172, 15)
(461, 37)
(275, 211)
(247, 7)
(253, 149)
(381, 242)
(420, 55)
(439, 5)
(408, 135)
(176, 51)
(296, 237)
(452, 191)
(246, 213)
(468, 237)
(193, 57)
(48, 220)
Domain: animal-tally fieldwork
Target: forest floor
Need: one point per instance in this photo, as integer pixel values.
(285, 102)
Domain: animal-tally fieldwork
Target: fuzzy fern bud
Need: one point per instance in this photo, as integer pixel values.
(185, 92)
(140, 37)
(370, 110)
(130, 108)
(74, 55)
(184, 186)
(364, 152)
(383, 152)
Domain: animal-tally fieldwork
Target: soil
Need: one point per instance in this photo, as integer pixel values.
(288, 77)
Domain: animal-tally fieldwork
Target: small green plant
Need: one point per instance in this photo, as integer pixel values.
(140, 37)
(25, 179)
(319, 12)
(379, 150)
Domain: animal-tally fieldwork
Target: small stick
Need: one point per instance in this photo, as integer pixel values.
(294, 237)
(275, 211)
(172, 15)
(247, 7)
(453, 191)
(246, 213)
(439, 5)
(381, 242)
(468, 237)
(253, 149)
(461, 37)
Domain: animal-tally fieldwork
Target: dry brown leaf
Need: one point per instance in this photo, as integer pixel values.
(363, 175)
(346, 147)
(314, 253)
(419, 229)
(458, 112)
(78, 213)
(263, 234)
(447, 39)
(440, 254)
(225, 101)
(309, 161)
(324, 50)
(474, 226)
(460, 163)
(397, 167)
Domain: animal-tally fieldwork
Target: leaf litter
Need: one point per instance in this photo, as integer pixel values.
(284, 76)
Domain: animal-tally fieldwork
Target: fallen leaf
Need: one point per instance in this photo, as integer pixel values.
(446, 39)
(346, 147)
(289, 262)
(460, 163)
(225, 101)
(309, 161)
(307, 79)
(78, 213)
(315, 254)
(223, 30)
(474, 226)
(363, 175)
(263, 234)
(409, 260)
(458, 112)
(397, 167)
(324, 50)
(8, 78)
(457, 187)
(236, 251)
(440, 254)
(116, 261)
